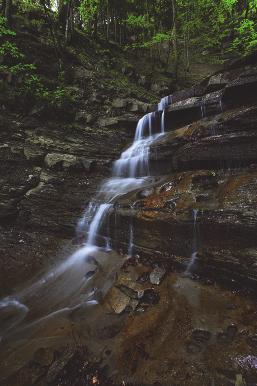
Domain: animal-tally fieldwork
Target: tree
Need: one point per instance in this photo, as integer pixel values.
(7, 8)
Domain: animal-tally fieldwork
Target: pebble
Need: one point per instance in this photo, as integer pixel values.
(157, 275)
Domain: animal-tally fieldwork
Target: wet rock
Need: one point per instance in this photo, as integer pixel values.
(201, 335)
(43, 356)
(145, 193)
(150, 296)
(229, 334)
(90, 274)
(58, 365)
(205, 180)
(119, 301)
(199, 341)
(231, 331)
(138, 204)
(202, 197)
(252, 340)
(241, 90)
(111, 330)
(144, 277)
(231, 306)
(157, 275)
(128, 121)
(170, 204)
(240, 380)
(131, 293)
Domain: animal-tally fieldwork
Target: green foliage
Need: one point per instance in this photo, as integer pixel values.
(59, 96)
(10, 49)
(4, 30)
(247, 39)
(164, 29)
(139, 21)
(30, 84)
(88, 9)
(29, 5)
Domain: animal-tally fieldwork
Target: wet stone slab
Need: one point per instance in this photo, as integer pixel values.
(181, 332)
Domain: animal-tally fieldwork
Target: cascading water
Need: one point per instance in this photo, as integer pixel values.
(131, 236)
(164, 102)
(193, 258)
(64, 284)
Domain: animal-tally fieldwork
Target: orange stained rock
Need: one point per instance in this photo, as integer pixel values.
(228, 190)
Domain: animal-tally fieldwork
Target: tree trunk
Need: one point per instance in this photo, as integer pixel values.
(175, 39)
(8, 11)
(107, 20)
(69, 22)
(52, 33)
(115, 26)
(95, 22)
(62, 14)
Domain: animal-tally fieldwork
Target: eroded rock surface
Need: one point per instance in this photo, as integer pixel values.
(179, 310)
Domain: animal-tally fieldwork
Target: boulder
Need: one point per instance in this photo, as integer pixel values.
(83, 116)
(157, 275)
(108, 121)
(81, 73)
(65, 161)
(58, 161)
(34, 154)
(217, 81)
(119, 103)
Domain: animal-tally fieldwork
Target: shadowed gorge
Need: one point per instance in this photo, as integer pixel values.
(128, 173)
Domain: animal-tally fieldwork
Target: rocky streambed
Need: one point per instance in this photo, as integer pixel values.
(178, 307)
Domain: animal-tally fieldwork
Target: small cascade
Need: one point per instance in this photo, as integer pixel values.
(12, 313)
(193, 258)
(134, 162)
(165, 102)
(131, 237)
(63, 284)
(203, 109)
(96, 223)
(108, 247)
(221, 105)
(163, 122)
(213, 131)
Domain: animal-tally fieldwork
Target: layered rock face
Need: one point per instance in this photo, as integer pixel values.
(50, 168)
(152, 325)
(205, 168)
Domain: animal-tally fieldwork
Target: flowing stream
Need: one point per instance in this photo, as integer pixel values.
(68, 285)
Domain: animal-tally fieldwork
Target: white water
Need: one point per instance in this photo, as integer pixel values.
(193, 258)
(131, 237)
(55, 291)
(165, 102)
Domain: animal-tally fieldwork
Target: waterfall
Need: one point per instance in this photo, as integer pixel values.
(163, 122)
(134, 162)
(131, 236)
(96, 223)
(203, 109)
(165, 102)
(62, 283)
(194, 248)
